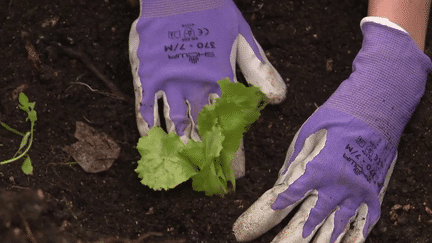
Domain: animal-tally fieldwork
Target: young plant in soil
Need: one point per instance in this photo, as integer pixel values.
(27, 138)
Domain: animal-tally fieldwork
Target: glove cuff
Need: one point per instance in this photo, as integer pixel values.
(381, 21)
(165, 8)
(389, 78)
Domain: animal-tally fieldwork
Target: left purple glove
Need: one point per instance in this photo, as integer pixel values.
(340, 161)
(179, 49)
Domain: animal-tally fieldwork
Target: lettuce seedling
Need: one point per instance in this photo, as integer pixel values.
(27, 138)
(166, 162)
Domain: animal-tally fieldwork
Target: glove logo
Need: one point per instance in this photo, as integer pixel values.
(201, 31)
(174, 34)
(361, 142)
(192, 56)
(189, 33)
(366, 157)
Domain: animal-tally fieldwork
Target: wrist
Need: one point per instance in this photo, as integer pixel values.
(165, 8)
(410, 15)
(388, 80)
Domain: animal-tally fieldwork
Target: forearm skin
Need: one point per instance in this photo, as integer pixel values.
(412, 15)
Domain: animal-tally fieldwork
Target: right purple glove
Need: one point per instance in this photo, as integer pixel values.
(340, 161)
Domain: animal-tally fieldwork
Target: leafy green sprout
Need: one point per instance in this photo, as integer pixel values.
(27, 138)
(166, 161)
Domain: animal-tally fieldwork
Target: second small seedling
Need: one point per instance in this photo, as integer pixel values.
(27, 138)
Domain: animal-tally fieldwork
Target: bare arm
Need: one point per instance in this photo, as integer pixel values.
(412, 15)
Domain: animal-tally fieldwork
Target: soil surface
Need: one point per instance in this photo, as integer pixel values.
(311, 43)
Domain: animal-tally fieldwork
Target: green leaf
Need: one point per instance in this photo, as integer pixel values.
(32, 115)
(233, 113)
(160, 166)
(28, 107)
(207, 182)
(212, 141)
(27, 167)
(166, 161)
(24, 142)
(194, 152)
(210, 179)
(23, 100)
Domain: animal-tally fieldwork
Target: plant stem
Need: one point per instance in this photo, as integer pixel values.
(23, 153)
(11, 129)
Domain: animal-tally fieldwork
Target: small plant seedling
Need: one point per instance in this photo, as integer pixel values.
(27, 138)
(166, 162)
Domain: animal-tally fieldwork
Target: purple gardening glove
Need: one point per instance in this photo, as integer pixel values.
(340, 161)
(179, 49)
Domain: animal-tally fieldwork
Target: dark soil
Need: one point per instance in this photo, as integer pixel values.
(311, 43)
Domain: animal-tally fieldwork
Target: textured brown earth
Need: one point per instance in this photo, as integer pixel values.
(312, 44)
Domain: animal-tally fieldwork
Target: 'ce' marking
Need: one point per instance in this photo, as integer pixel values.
(201, 32)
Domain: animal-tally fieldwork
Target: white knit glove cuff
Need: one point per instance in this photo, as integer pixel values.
(382, 21)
